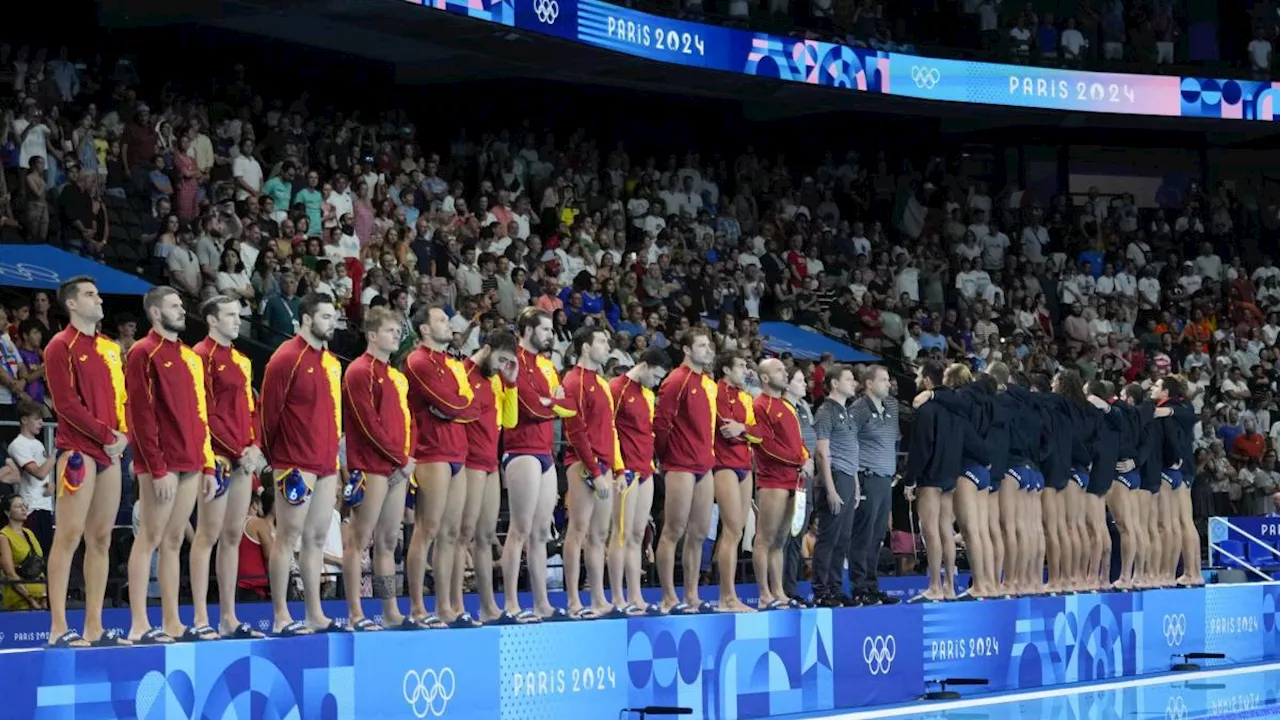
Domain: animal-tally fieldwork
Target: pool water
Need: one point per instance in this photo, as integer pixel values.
(1234, 692)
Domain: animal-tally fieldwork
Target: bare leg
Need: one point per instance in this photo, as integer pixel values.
(238, 496)
(1191, 574)
(153, 518)
(995, 540)
(289, 524)
(581, 508)
(776, 552)
(597, 533)
(364, 518)
(772, 504)
(169, 567)
(524, 482)
(929, 502)
(386, 535)
(624, 509)
(947, 528)
(696, 531)
(210, 518)
(1010, 518)
(450, 565)
(729, 494)
(675, 520)
(635, 541)
(1051, 512)
(315, 531)
(482, 550)
(74, 512)
(965, 500)
(538, 538)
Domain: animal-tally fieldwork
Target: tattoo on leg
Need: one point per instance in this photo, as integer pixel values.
(384, 586)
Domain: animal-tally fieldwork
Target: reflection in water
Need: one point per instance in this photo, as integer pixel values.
(1243, 694)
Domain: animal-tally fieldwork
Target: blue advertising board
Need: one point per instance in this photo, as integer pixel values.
(690, 44)
(1259, 538)
(721, 666)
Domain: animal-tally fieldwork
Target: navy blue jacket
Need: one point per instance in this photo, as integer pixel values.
(940, 440)
(1058, 414)
(990, 420)
(1028, 440)
(1185, 416)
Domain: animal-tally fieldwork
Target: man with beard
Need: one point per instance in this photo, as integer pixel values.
(169, 429)
(595, 465)
(237, 456)
(633, 402)
(491, 371)
(86, 383)
(781, 456)
(375, 405)
(442, 402)
(683, 428)
(529, 466)
(301, 424)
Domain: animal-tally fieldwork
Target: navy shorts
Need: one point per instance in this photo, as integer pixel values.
(1080, 477)
(1131, 479)
(1028, 478)
(980, 475)
(996, 479)
(544, 460)
(742, 474)
(1172, 476)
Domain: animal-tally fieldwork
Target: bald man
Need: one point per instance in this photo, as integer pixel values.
(780, 456)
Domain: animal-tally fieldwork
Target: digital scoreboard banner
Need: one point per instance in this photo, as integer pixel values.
(691, 44)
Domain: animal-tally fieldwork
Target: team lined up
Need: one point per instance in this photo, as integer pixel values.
(425, 438)
(1028, 468)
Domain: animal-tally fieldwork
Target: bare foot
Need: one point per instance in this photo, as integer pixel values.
(734, 605)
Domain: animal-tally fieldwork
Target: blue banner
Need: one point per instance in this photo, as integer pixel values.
(781, 337)
(690, 44)
(43, 267)
(722, 666)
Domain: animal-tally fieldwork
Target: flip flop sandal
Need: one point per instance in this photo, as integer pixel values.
(527, 617)
(244, 631)
(334, 627)
(365, 624)
(584, 614)
(653, 610)
(682, 609)
(111, 638)
(706, 608)
(504, 618)
(198, 634)
(155, 636)
(464, 622)
(72, 640)
(558, 615)
(432, 622)
(408, 624)
(795, 604)
(618, 612)
(297, 628)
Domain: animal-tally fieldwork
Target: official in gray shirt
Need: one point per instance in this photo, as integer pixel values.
(875, 415)
(836, 486)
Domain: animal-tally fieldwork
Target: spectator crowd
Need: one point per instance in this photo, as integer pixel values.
(909, 256)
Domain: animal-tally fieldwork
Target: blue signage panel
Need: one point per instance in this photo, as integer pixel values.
(721, 666)
(612, 27)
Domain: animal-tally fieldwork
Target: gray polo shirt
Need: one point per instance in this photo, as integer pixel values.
(877, 434)
(834, 422)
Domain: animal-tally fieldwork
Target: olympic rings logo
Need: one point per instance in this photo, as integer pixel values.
(878, 653)
(1175, 629)
(925, 78)
(429, 692)
(1175, 709)
(547, 11)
